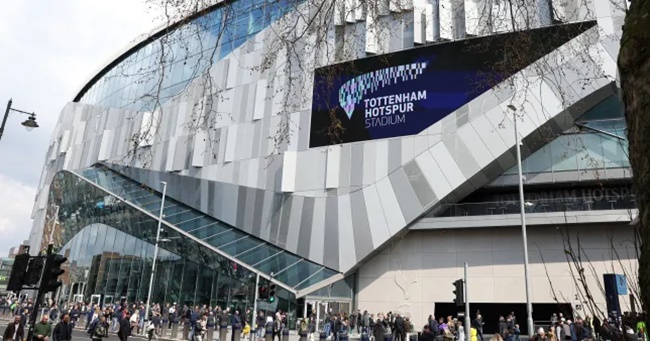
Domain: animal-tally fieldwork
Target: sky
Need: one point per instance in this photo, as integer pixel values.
(48, 50)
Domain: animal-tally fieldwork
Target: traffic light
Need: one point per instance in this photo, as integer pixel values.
(262, 292)
(18, 271)
(459, 292)
(34, 271)
(50, 281)
(271, 293)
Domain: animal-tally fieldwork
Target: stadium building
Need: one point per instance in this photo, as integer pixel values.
(355, 154)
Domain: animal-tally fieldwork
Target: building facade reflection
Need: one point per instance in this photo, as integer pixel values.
(110, 247)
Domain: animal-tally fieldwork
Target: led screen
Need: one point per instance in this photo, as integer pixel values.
(404, 93)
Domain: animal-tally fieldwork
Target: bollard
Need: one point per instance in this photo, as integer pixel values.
(210, 333)
(236, 333)
(174, 333)
(285, 334)
(303, 336)
(269, 333)
(364, 337)
(223, 331)
(186, 330)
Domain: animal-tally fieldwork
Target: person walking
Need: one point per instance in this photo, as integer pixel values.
(98, 329)
(124, 330)
(150, 330)
(63, 330)
(201, 328)
(14, 330)
(400, 329)
(42, 330)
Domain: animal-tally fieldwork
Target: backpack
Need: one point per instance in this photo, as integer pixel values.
(100, 331)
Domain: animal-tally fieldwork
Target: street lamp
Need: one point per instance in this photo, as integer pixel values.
(155, 252)
(29, 124)
(522, 203)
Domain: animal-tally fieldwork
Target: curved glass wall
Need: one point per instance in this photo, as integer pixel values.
(585, 149)
(109, 246)
(291, 270)
(170, 62)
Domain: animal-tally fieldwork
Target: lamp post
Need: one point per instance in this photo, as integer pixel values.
(29, 124)
(522, 205)
(155, 252)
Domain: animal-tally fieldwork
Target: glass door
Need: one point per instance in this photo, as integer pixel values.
(95, 300)
(108, 300)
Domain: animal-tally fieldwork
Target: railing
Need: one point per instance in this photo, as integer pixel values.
(537, 206)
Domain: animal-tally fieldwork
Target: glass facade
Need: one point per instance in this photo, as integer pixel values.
(171, 61)
(288, 269)
(585, 149)
(110, 245)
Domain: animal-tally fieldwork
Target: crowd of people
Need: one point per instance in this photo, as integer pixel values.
(194, 322)
(629, 327)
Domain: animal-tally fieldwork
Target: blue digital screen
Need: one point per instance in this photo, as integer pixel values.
(404, 93)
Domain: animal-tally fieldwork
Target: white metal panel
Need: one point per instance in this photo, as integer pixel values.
(289, 164)
(231, 143)
(434, 175)
(65, 142)
(448, 165)
(79, 129)
(260, 99)
(171, 153)
(105, 147)
(347, 256)
(376, 219)
(419, 25)
(198, 151)
(392, 209)
(332, 174)
(432, 12)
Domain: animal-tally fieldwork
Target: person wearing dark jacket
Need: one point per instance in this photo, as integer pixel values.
(427, 333)
(14, 330)
(63, 330)
(400, 329)
(236, 324)
(125, 327)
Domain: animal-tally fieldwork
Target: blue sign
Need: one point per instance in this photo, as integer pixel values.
(404, 93)
(621, 284)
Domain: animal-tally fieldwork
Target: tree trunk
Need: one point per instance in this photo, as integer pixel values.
(634, 68)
